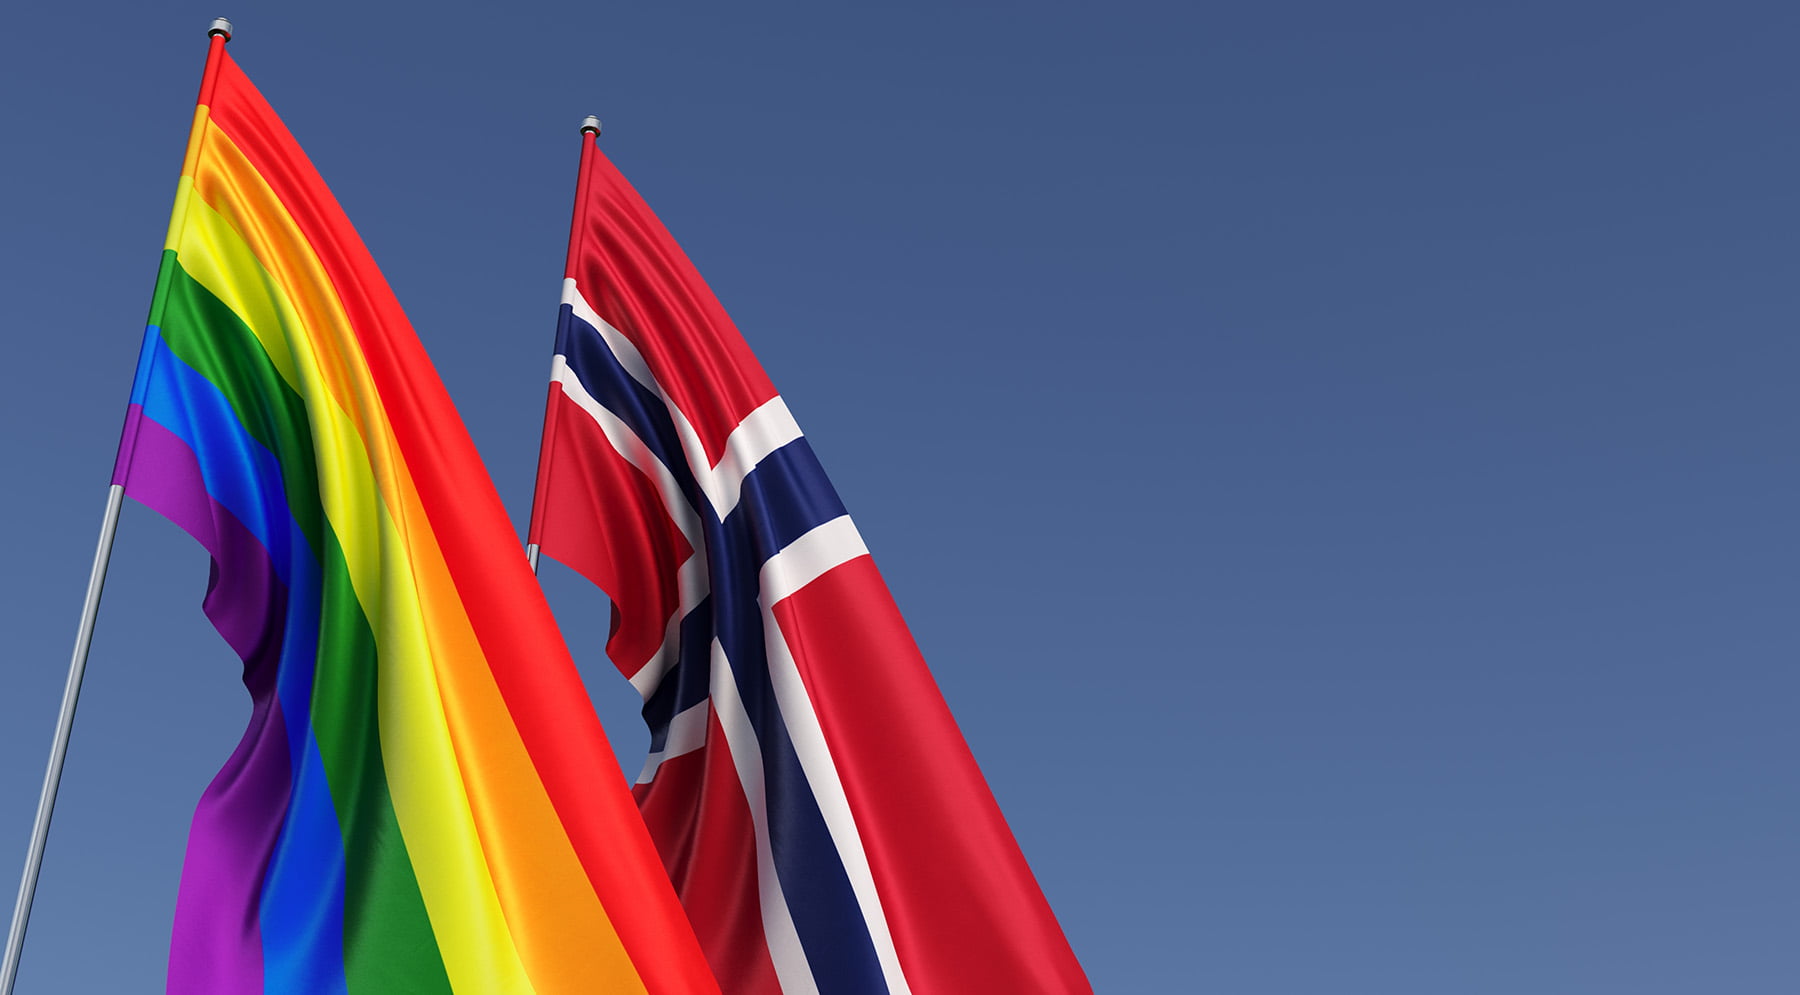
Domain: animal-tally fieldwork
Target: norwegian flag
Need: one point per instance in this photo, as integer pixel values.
(812, 799)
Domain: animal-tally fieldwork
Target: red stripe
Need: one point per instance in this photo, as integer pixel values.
(507, 609)
(696, 812)
(640, 281)
(965, 911)
(613, 528)
(215, 56)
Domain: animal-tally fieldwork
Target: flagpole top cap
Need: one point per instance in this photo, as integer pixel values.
(590, 124)
(219, 26)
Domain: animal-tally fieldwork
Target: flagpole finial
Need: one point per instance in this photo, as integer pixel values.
(590, 124)
(219, 26)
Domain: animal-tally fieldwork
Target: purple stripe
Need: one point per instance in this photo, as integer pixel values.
(134, 413)
(217, 942)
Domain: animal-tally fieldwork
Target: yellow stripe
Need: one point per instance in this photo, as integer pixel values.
(196, 134)
(215, 255)
(564, 937)
(505, 860)
(356, 485)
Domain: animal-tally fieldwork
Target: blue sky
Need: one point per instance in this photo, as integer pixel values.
(1338, 459)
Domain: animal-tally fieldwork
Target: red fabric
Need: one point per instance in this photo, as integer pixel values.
(712, 860)
(640, 281)
(613, 529)
(965, 910)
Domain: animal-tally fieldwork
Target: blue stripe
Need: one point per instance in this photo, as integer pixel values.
(240, 473)
(784, 497)
(140, 380)
(772, 512)
(302, 902)
(684, 684)
(302, 909)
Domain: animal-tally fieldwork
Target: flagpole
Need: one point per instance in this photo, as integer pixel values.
(217, 33)
(59, 747)
(590, 134)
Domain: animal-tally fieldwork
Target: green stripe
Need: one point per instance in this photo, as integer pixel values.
(385, 918)
(211, 338)
(160, 294)
(389, 945)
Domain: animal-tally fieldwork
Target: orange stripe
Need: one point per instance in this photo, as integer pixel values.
(226, 181)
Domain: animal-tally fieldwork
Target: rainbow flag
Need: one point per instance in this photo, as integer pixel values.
(424, 800)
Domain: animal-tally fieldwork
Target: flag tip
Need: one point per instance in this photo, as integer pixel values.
(590, 123)
(219, 26)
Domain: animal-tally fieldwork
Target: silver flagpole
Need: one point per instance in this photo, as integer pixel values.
(531, 555)
(59, 747)
(65, 719)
